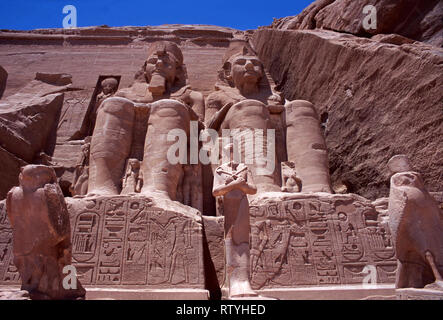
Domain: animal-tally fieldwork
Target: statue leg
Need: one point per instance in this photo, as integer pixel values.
(248, 122)
(110, 146)
(161, 175)
(237, 250)
(306, 146)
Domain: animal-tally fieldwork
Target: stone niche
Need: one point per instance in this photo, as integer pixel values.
(124, 242)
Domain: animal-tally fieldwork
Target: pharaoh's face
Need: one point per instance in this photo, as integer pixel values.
(163, 64)
(246, 69)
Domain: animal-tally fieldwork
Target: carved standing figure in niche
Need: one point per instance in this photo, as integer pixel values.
(131, 181)
(234, 182)
(42, 237)
(192, 195)
(417, 228)
(79, 186)
(291, 183)
(109, 87)
(161, 90)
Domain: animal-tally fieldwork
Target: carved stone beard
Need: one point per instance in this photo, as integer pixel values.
(157, 85)
(248, 88)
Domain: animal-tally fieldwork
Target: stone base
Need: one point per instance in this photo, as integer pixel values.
(345, 292)
(134, 241)
(419, 294)
(348, 292)
(146, 294)
(13, 293)
(95, 293)
(312, 240)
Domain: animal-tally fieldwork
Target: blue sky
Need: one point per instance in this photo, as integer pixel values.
(239, 14)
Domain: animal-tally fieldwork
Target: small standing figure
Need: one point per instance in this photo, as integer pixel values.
(192, 192)
(291, 183)
(234, 182)
(131, 180)
(42, 237)
(109, 88)
(79, 186)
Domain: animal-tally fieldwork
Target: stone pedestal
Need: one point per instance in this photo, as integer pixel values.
(419, 294)
(312, 239)
(134, 243)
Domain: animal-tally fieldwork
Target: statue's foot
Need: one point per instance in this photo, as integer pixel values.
(242, 289)
(101, 193)
(437, 285)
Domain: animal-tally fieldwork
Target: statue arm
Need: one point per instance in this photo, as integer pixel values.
(249, 186)
(221, 187)
(219, 116)
(198, 104)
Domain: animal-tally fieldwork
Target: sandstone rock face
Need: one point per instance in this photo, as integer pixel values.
(374, 99)
(10, 169)
(27, 120)
(3, 78)
(414, 19)
(26, 124)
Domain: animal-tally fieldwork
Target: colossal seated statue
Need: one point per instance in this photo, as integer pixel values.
(160, 90)
(244, 101)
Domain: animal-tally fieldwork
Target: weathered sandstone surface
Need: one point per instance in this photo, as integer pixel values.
(377, 97)
(415, 19)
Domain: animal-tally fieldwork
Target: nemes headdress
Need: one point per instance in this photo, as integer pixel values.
(169, 47)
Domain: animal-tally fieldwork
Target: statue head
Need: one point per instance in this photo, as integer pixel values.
(231, 152)
(109, 85)
(134, 163)
(36, 176)
(241, 67)
(399, 163)
(164, 67)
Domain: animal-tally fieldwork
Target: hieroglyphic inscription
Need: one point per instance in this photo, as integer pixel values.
(318, 241)
(8, 272)
(125, 241)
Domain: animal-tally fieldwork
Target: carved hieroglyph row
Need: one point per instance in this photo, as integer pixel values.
(126, 241)
(316, 240)
(8, 272)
